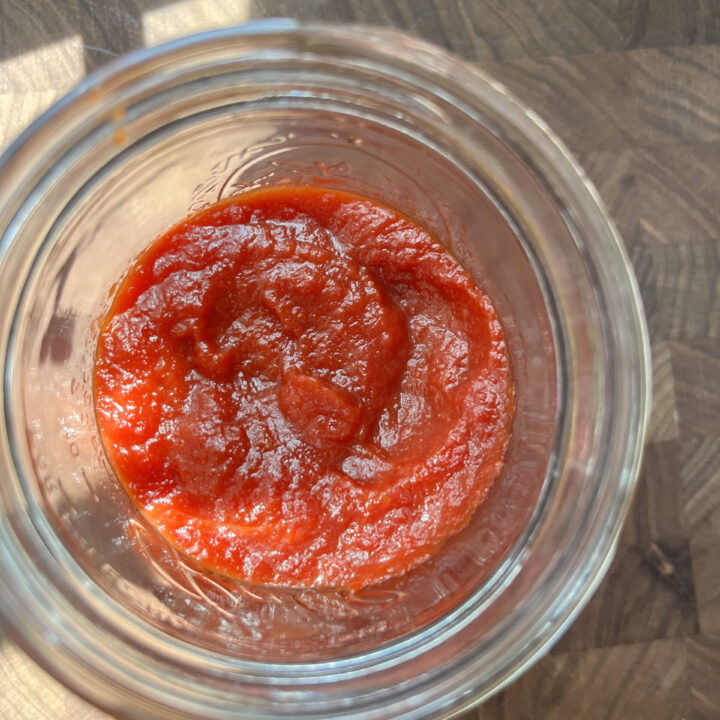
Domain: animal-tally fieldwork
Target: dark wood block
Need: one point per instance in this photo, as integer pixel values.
(556, 88)
(700, 469)
(643, 681)
(648, 593)
(680, 286)
(704, 663)
(614, 100)
(696, 369)
(657, 23)
(653, 194)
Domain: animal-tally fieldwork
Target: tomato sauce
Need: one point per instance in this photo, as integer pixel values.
(302, 387)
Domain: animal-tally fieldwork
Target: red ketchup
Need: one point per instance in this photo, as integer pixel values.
(301, 387)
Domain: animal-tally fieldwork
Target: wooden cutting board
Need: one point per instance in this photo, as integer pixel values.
(633, 87)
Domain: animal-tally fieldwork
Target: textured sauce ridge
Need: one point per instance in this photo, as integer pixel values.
(302, 387)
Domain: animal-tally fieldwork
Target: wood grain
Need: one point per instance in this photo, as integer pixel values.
(644, 680)
(700, 462)
(633, 88)
(704, 670)
(649, 591)
(676, 281)
(662, 195)
(639, 98)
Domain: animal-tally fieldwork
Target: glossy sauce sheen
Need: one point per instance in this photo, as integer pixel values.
(301, 387)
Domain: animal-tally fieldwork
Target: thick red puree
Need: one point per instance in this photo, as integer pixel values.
(301, 387)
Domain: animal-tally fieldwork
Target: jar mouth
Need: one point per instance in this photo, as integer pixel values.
(594, 311)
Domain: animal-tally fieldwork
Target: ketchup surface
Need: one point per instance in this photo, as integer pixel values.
(301, 387)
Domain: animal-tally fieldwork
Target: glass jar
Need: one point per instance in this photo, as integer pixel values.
(92, 592)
